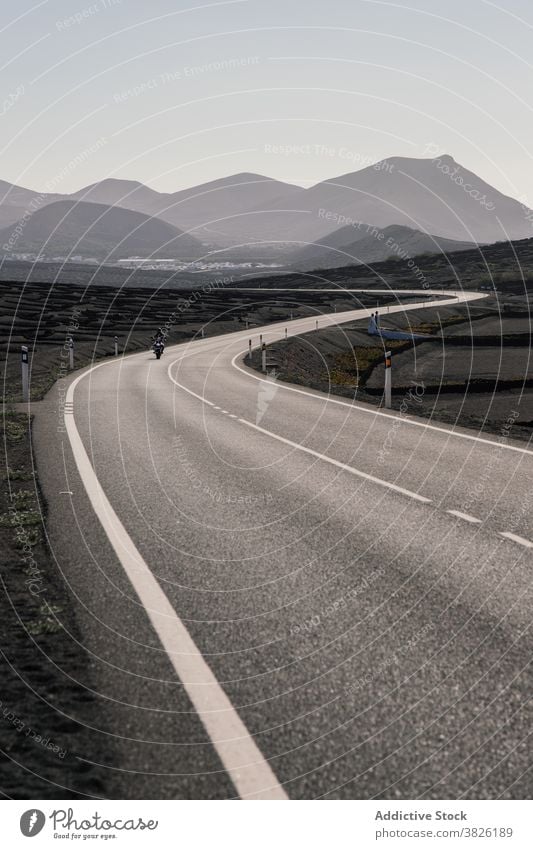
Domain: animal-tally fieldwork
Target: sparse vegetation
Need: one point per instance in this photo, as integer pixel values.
(352, 369)
(45, 622)
(436, 326)
(21, 518)
(17, 475)
(14, 428)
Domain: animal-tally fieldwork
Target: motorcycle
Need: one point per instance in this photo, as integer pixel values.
(158, 347)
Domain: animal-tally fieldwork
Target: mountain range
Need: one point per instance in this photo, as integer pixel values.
(435, 196)
(437, 201)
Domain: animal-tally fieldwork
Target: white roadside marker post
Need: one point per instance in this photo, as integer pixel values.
(250, 349)
(388, 380)
(71, 353)
(203, 333)
(25, 373)
(116, 346)
(264, 359)
(261, 339)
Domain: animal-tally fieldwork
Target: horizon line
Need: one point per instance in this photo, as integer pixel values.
(235, 174)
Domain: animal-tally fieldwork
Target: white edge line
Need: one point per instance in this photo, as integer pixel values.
(250, 773)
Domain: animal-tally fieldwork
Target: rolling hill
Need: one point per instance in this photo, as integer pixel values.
(221, 199)
(128, 194)
(16, 201)
(367, 244)
(70, 228)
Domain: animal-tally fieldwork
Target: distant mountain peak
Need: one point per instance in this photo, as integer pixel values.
(445, 157)
(112, 182)
(240, 177)
(249, 175)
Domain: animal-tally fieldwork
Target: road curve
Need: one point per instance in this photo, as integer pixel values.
(287, 595)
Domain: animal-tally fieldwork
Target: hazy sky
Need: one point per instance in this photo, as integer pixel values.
(177, 93)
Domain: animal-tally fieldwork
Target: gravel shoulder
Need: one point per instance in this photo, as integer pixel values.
(46, 704)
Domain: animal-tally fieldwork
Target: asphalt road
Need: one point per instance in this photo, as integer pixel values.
(285, 594)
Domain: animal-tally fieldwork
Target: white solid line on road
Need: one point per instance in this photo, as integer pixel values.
(324, 457)
(466, 516)
(515, 538)
(250, 773)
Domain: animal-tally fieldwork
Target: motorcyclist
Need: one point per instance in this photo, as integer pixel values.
(158, 345)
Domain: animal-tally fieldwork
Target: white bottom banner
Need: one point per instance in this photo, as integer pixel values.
(262, 825)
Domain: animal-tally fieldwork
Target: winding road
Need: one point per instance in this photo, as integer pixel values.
(284, 594)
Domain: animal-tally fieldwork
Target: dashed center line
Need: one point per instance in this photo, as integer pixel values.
(357, 472)
(466, 516)
(515, 538)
